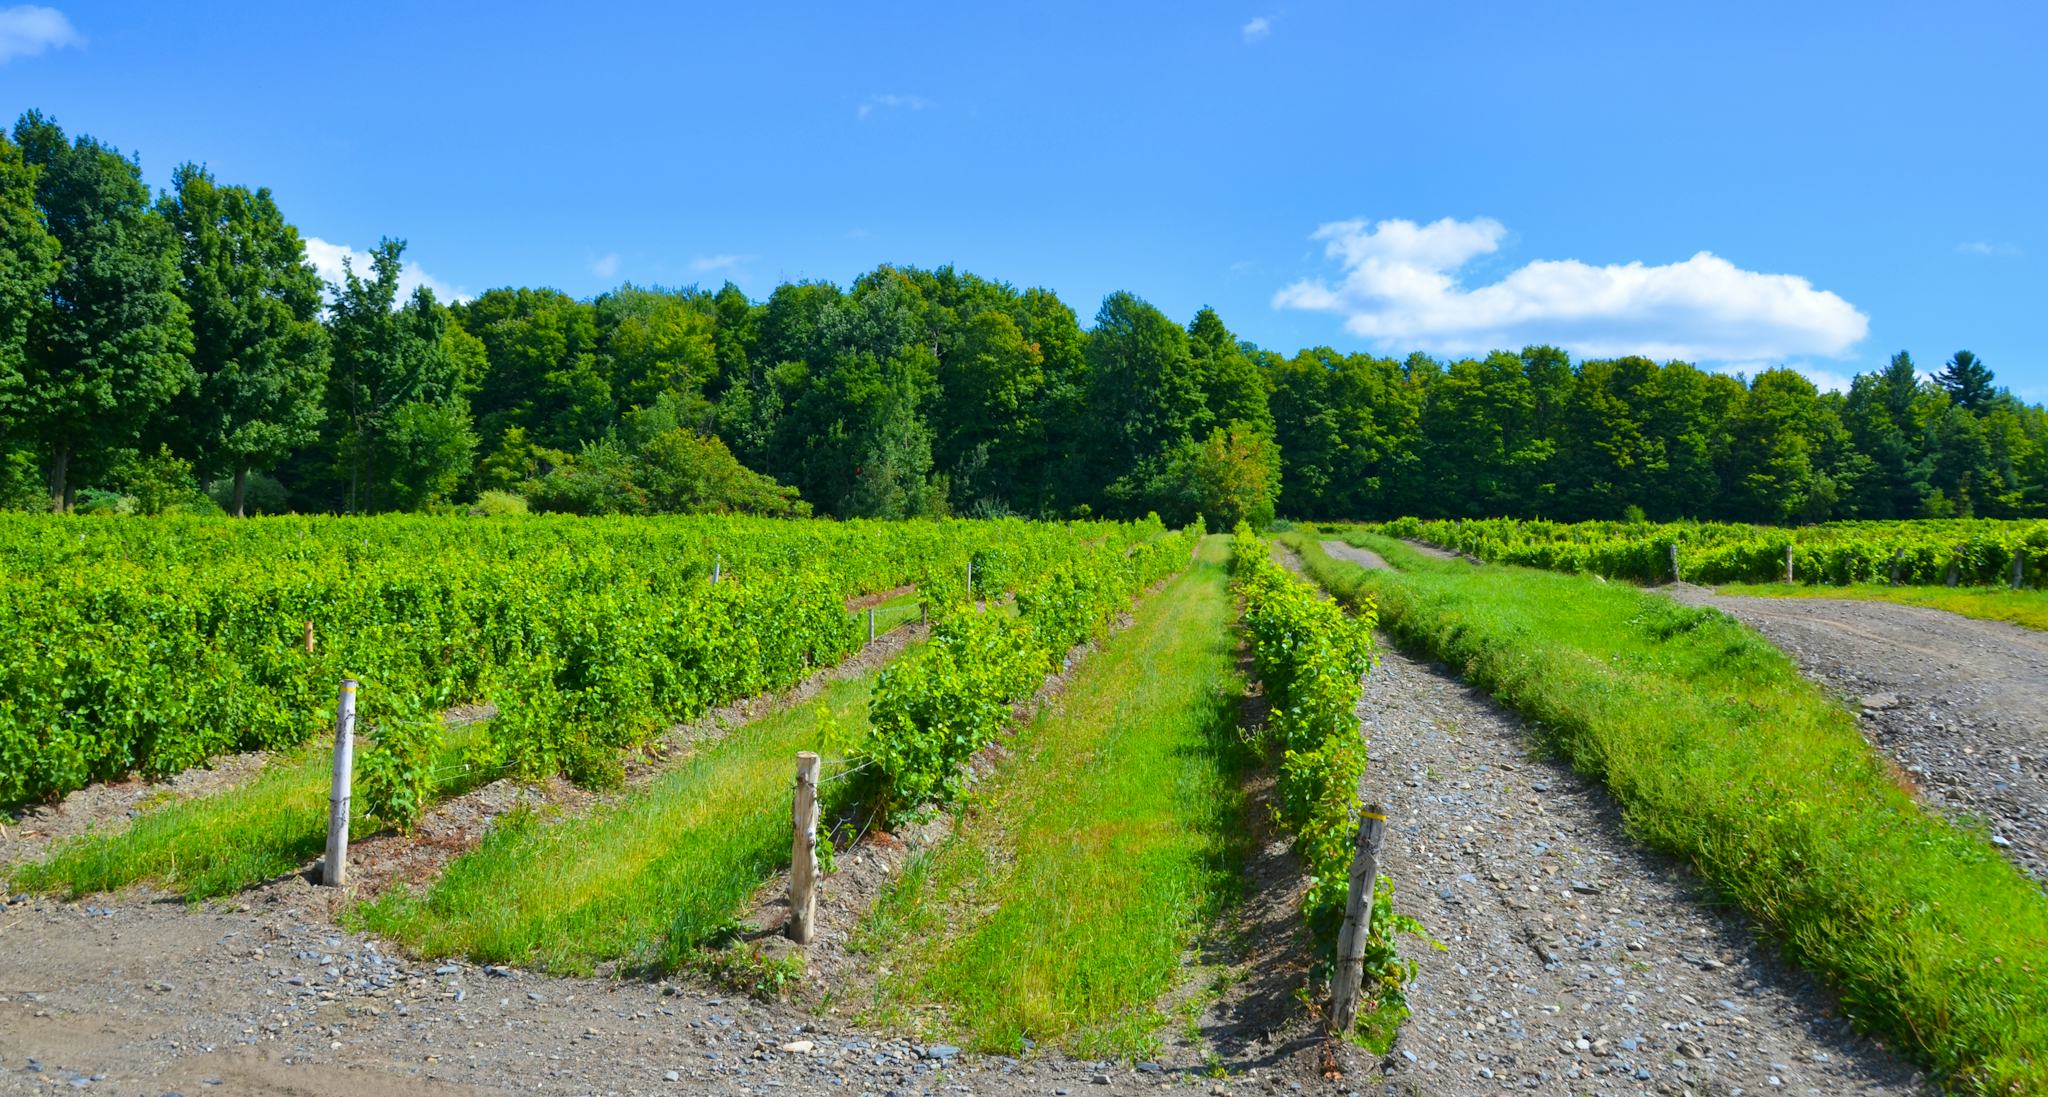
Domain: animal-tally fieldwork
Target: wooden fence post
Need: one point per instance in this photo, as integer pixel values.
(338, 794)
(803, 870)
(1674, 561)
(1954, 573)
(309, 637)
(2019, 568)
(1788, 564)
(1898, 559)
(871, 624)
(1357, 930)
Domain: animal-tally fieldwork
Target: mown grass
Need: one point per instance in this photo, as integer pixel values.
(643, 880)
(218, 844)
(1060, 908)
(2026, 607)
(1720, 753)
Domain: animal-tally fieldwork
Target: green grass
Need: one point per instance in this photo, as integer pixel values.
(2027, 607)
(1720, 753)
(215, 845)
(1062, 905)
(643, 880)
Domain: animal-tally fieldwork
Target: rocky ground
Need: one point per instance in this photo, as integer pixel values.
(1960, 705)
(1575, 962)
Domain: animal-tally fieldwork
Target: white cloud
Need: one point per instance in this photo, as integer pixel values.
(893, 102)
(1986, 247)
(705, 264)
(28, 30)
(605, 266)
(327, 259)
(1401, 291)
(1257, 29)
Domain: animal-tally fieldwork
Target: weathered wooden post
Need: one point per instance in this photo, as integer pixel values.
(871, 624)
(338, 794)
(1357, 929)
(1788, 564)
(970, 580)
(803, 862)
(309, 637)
(1898, 559)
(1953, 573)
(2019, 568)
(1674, 561)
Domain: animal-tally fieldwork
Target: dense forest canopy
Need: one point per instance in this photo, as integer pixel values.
(178, 351)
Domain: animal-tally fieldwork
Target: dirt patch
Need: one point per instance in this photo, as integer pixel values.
(1959, 704)
(1576, 961)
(855, 605)
(1365, 558)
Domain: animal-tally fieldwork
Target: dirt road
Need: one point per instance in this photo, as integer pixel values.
(1960, 704)
(1576, 961)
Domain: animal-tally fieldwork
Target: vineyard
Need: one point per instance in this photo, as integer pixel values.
(1088, 787)
(1969, 552)
(152, 647)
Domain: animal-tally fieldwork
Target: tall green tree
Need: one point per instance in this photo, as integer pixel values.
(28, 268)
(399, 423)
(1968, 381)
(258, 348)
(1146, 396)
(109, 342)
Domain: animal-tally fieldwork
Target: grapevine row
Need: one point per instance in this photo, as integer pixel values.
(1970, 552)
(152, 646)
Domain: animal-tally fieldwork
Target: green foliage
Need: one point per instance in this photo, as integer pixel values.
(395, 776)
(1311, 659)
(153, 646)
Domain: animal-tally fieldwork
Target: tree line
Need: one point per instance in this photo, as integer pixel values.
(178, 351)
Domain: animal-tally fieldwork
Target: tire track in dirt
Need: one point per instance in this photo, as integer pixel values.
(1576, 960)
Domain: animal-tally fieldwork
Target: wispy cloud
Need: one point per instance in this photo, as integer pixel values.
(605, 266)
(327, 259)
(705, 264)
(1258, 29)
(893, 102)
(28, 30)
(1986, 247)
(1400, 289)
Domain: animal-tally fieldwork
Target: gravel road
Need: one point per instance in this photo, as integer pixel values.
(140, 997)
(1577, 962)
(1960, 704)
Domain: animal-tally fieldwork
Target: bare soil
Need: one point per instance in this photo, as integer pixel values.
(1575, 960)
(1959, 704)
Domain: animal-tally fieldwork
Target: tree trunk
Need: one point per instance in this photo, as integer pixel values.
(241, 489)
(60, 465)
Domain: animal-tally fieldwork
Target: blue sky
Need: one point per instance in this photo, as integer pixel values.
(1383, 176)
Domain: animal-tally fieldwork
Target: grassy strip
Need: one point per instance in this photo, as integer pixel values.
(1719, 752)
(2027, 608)
(644, 880)
(214, 845)
(1062, 905)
